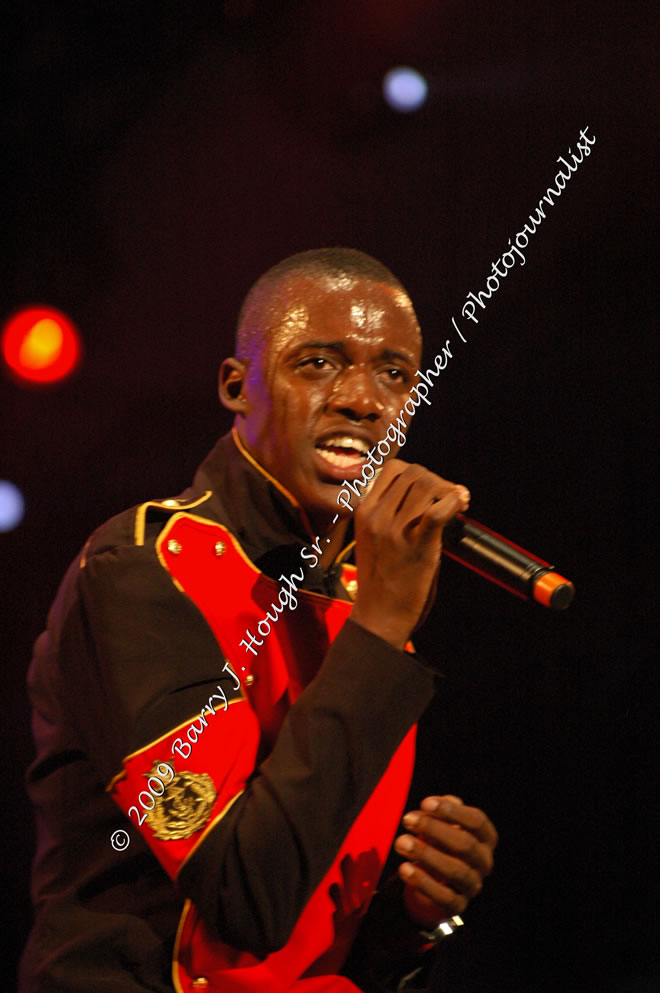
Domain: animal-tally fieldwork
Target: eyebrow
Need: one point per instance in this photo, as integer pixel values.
(390, 354)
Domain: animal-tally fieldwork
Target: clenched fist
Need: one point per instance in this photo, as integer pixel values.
(398, 532)
(450, 851)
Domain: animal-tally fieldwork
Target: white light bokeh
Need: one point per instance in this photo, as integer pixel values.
(12, 505)
(404, 89)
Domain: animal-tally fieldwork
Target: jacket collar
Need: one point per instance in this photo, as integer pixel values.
(266, 518)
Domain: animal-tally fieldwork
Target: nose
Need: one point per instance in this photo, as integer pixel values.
(355, 394)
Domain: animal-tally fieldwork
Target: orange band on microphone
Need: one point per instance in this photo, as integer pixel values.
(553, 590)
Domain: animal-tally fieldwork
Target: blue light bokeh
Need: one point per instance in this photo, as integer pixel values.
(404, 89)
(12, 506)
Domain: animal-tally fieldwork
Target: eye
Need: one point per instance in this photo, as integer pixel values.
(396, 375)
(315, 362)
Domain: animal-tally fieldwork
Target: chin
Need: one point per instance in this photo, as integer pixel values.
(320, 504)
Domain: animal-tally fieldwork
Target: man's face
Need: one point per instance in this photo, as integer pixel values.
(339, 362)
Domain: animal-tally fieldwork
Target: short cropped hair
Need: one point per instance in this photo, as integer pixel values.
(255, 316)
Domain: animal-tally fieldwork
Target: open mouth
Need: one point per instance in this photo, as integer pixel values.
(343, 452)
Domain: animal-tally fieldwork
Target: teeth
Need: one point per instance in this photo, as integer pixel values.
(342, 461)
(346, 441)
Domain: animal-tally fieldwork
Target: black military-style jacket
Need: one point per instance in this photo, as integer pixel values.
(227, 784)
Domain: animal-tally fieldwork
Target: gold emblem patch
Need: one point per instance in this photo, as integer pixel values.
(185, 806)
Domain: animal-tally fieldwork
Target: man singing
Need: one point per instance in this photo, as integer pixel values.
(224, 719)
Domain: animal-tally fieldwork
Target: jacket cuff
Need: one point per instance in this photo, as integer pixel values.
(390, 952)
(370, 644)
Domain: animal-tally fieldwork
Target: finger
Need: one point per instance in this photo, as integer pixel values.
(452, 839)
(383, 476)
(380, 497)
(454, 873)
(440, 511)
(410, 483)
(427, 511)
(429, 805)
(452, 809)
(429, 802)
(448, 901)
(410, 491)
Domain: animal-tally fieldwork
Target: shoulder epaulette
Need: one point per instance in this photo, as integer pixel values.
(129, 527)
(161, 510)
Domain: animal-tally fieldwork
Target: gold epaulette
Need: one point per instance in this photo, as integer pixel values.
(170, 505)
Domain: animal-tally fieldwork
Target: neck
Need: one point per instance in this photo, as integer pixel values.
(337, 537)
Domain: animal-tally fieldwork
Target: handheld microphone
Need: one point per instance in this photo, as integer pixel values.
(501, 561)
(498, 559)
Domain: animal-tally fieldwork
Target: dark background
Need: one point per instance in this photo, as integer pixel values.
(158, 157)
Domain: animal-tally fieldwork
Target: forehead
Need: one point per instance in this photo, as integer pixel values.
(355, 310)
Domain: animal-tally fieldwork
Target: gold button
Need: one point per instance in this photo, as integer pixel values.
(249, 680)
(201, 983)
(174, 546)
(170, 503)
(351, 586)
(220, 548)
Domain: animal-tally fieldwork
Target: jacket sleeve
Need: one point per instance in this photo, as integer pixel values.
(142, 656)
(390, 953)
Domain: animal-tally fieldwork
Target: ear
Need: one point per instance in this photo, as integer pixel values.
(231, 382)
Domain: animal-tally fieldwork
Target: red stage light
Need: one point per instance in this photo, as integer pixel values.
(40, 345)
